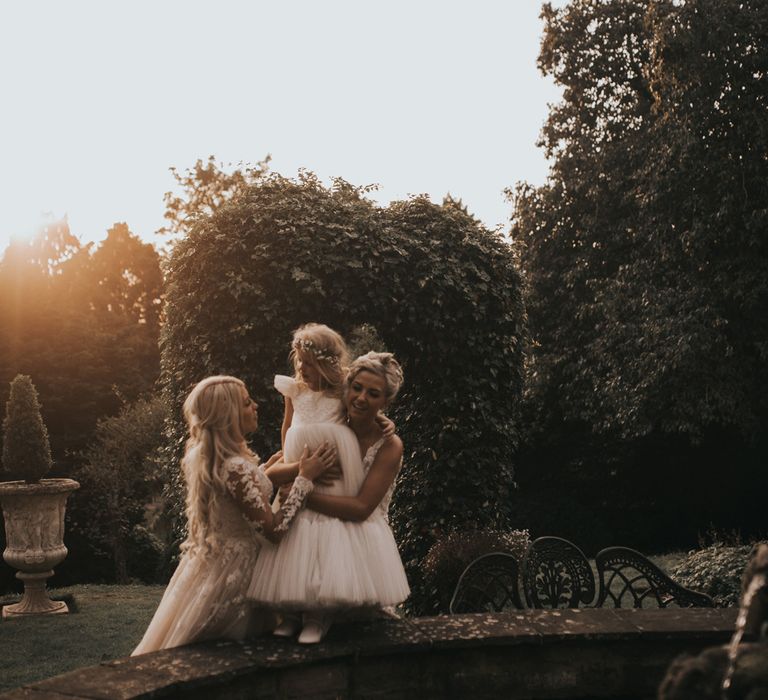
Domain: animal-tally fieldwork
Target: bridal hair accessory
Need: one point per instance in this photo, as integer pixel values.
(304, 345)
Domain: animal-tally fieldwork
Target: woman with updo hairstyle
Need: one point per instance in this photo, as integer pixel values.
(320, 567)
(373, 380)
(229, 518)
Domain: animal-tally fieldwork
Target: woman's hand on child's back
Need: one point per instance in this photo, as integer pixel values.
(313, 465)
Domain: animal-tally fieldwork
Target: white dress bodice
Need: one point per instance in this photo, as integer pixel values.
(310, 406)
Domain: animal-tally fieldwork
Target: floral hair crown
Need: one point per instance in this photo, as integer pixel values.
(304, 345)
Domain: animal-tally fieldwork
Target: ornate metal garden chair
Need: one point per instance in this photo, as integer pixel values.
(489, 584)
(556, 574)
(628, 577)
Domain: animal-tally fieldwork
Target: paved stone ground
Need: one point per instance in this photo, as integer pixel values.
(516, 654)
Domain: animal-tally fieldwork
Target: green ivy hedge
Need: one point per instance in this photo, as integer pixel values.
(441, 291)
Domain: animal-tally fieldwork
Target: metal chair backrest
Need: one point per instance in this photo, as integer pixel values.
(556, 574)
(627, 576)
(489, 584)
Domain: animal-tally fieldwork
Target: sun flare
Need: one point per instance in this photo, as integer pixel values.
(21, 226)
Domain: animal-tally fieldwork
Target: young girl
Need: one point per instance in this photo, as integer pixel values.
(315, 569)
(228, 494)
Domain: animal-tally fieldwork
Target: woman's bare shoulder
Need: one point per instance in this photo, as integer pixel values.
(392, 448)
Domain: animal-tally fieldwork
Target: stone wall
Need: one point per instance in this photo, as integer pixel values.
(516, 655)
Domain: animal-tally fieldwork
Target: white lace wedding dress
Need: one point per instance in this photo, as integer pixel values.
(205, 598)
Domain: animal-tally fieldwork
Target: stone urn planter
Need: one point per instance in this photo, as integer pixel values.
(33, 508)
(34, 530)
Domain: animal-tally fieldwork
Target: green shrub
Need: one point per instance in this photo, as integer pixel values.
(442, 292)
(451, 554)
(119, 478)
(716, 570)
(146, 556)
(26, 451)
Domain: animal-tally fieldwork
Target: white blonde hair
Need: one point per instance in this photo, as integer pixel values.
(382, 364)
(213, 411)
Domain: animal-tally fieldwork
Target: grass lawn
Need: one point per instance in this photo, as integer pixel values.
(109, 623)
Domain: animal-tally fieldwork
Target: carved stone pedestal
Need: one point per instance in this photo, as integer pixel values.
(34, 530)
(35, 600)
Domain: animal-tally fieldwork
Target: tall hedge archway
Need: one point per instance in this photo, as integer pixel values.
(443, 293)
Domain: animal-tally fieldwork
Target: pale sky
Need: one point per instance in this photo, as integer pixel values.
(100, 98)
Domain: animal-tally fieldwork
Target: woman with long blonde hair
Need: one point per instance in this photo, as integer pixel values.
(229, 517)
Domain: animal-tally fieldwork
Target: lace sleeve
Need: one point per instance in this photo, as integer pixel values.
(268, 488)
(242, 484)
(296, 498)
(243, 487)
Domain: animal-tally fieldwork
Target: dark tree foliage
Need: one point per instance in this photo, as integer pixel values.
(84, 322)
(120, 478)
(439, 290)
(125, 280)
(645, 252)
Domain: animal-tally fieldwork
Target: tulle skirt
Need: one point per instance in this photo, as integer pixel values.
(324, 562)
(205, 599)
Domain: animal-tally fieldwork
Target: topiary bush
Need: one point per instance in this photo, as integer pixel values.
(451, 554)
(716, 570)
(26, 450)
(442, 292)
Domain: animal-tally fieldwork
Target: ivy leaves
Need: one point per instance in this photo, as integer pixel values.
(441, 292)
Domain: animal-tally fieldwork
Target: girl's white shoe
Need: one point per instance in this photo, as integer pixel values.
(315, 628)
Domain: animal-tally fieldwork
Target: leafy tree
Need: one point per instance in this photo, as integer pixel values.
(205, 187)
(125, 278)
(441, 292)
(574, 227)
(120, 478)
(645, 251)
(84, 321)
(125, 291)
(698, 274)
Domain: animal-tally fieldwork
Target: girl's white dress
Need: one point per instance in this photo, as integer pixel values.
(324, 562)
(205, 598)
